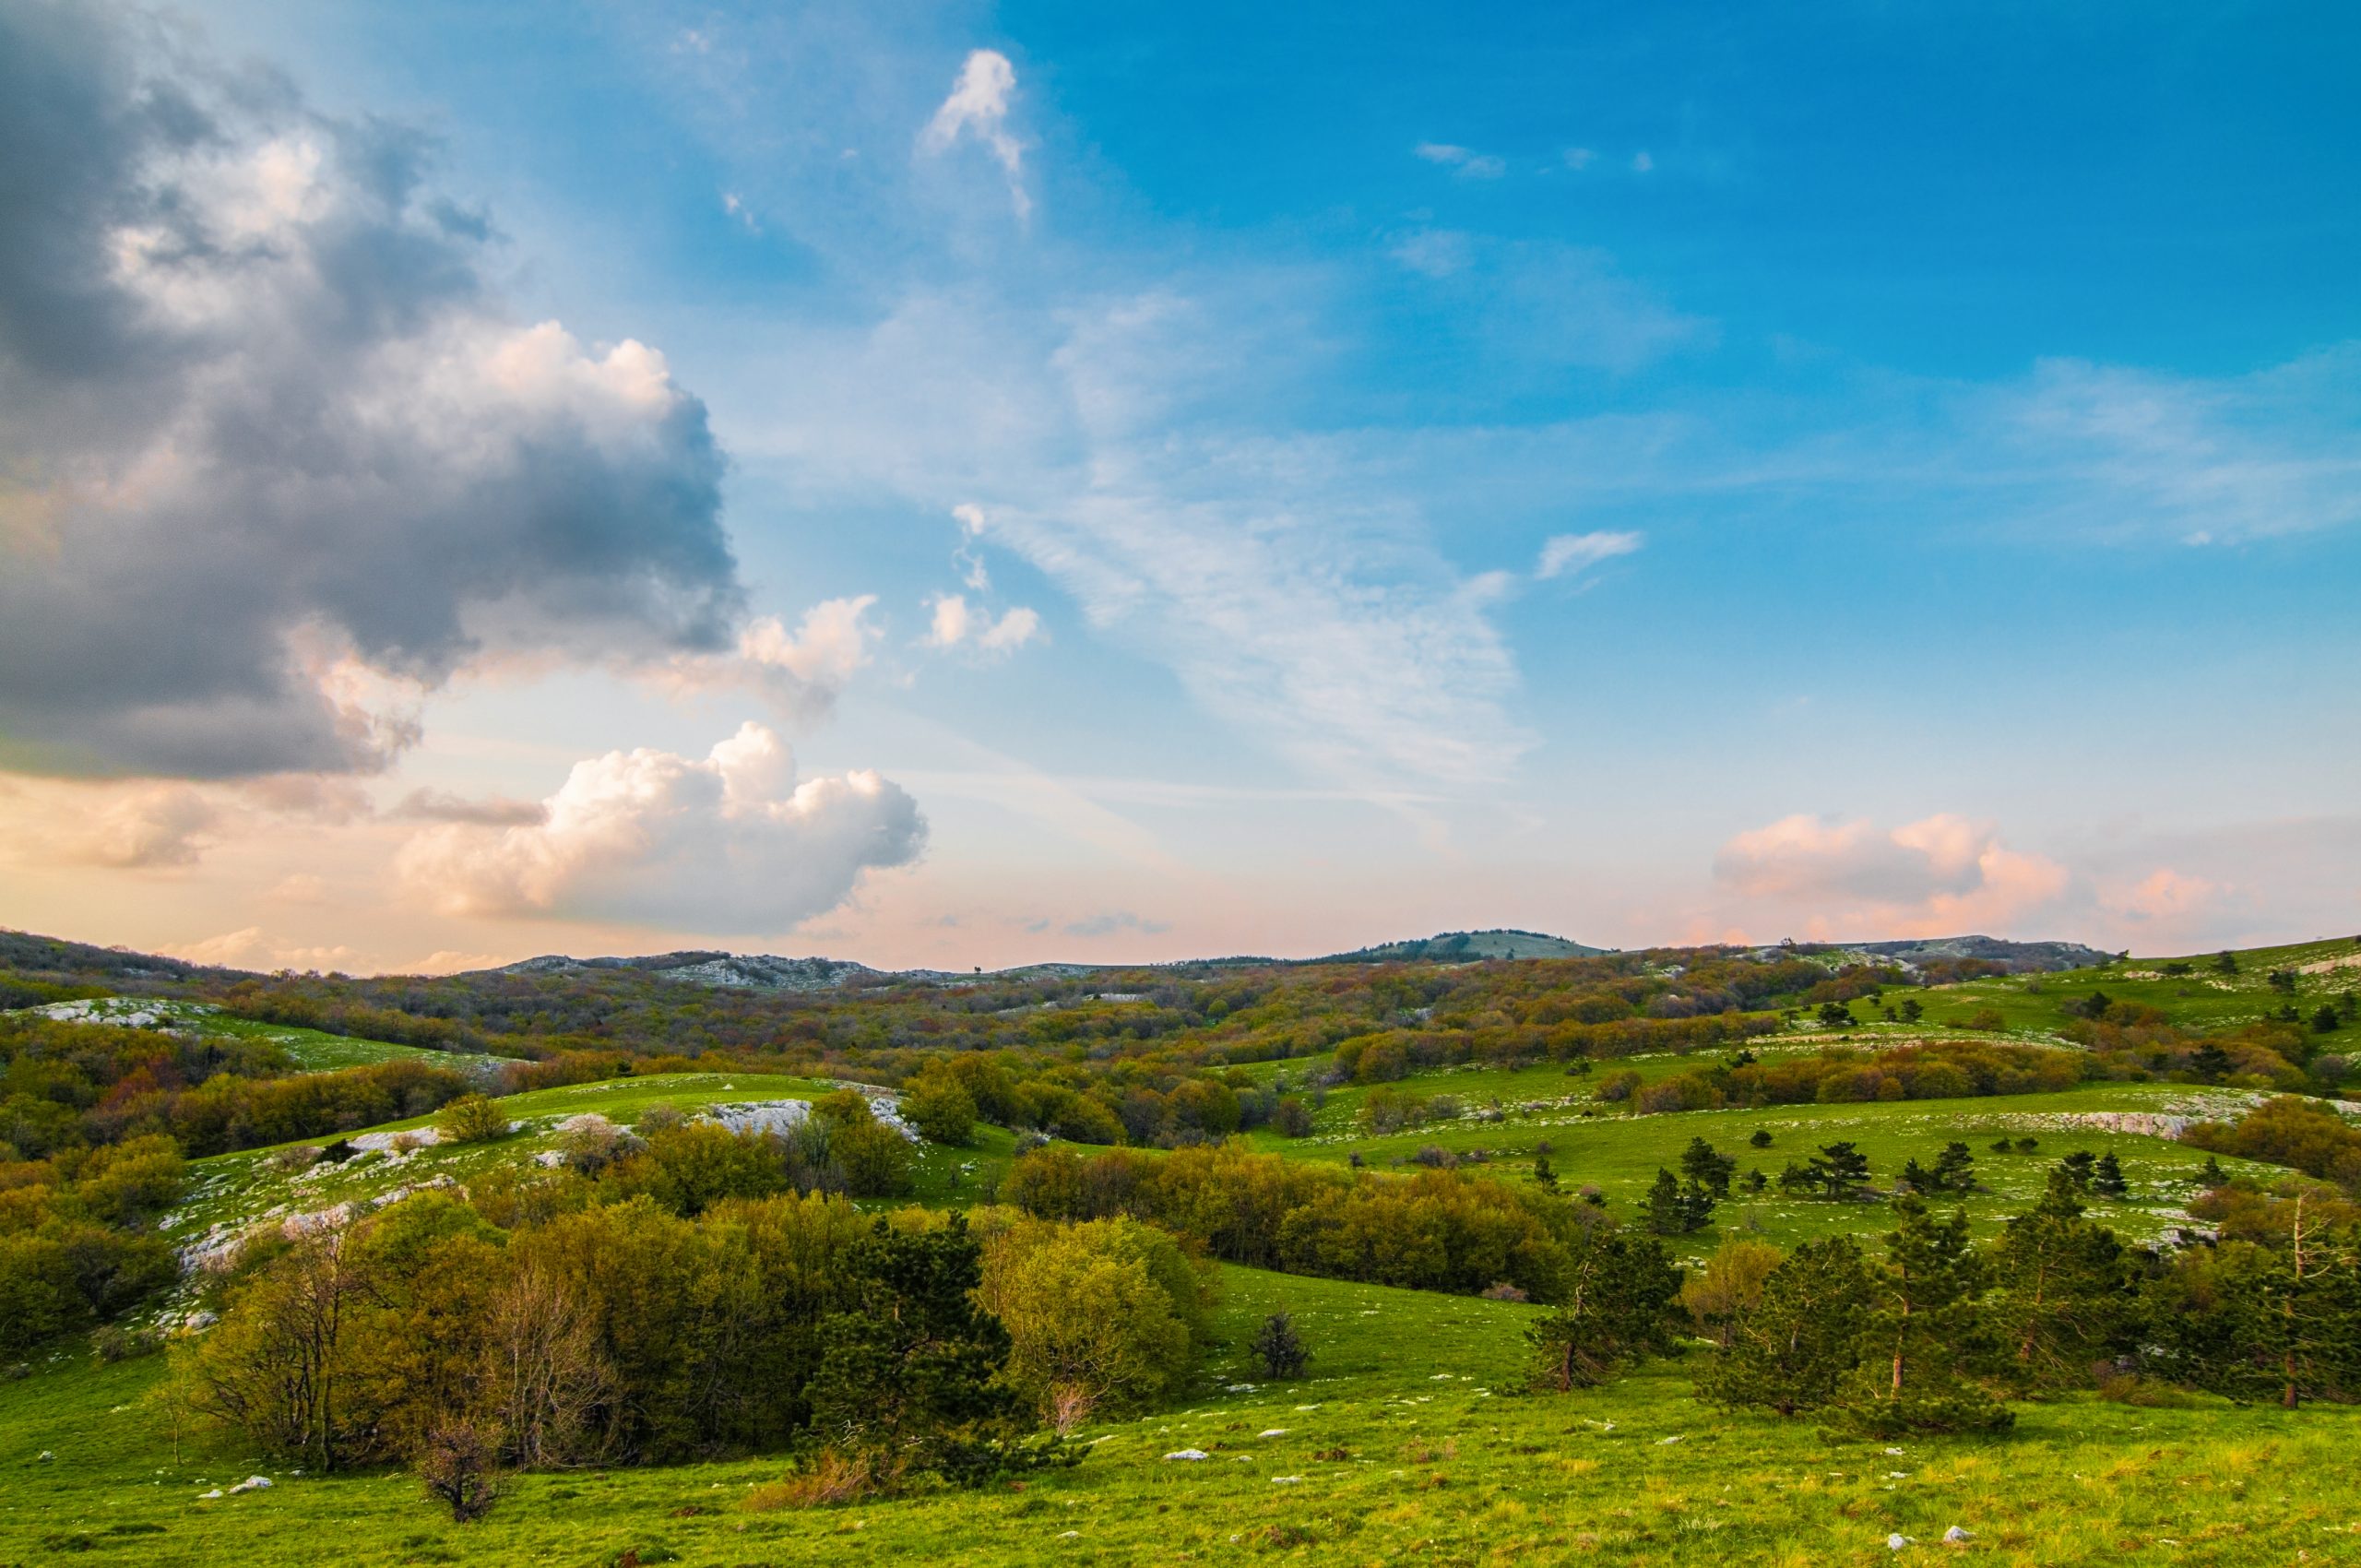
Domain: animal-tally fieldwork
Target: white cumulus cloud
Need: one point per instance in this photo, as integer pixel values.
(728, 842)
(956, 623)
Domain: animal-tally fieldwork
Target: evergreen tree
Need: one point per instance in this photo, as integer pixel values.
(1797, 1178)
(1754, 1181)
(1916, 1177)
(2107, 1177)
(1544, 1175)
(1675, 1209)
(2212, 1063)
(1925, 1319)
(2226, 962)
(2065, 1294)
(1840, 1171)
(1793, 1348)
(1615, 1304)
(2259, 1323)
(910, 1372)
(2077, 1170)
(1279, 1348)
(1835, 1015)
(1707, 1168)
(2325, 1021)
(2211, 1174)
(1760, 1137)
(1912, 1010)
(1956, 1168)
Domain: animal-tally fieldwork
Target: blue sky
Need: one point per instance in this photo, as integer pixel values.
(1948, 421)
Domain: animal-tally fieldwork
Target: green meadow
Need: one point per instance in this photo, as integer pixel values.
(1408, 1440)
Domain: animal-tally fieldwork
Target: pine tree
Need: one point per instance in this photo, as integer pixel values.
(1840, 1171)
(1792, 1350)
(2065, 1294)
(1754, 1181)
(1675, 1209)
(2107, 1177)
(1279, 1348)
(1924, 1321)
(1760, 1137)
(1916, 1177)
(2077, 1170)
(2211, 1174)
(2261, 1323)
(1707, 1168)
(1544, 1175)
(1614, 1305)
(2212, 1063)
(1912, 1010)
(911, 1373)
(1956, 1168)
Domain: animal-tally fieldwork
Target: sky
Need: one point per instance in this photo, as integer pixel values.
(967, 485)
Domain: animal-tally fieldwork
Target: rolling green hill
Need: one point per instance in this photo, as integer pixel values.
(1413, 1435)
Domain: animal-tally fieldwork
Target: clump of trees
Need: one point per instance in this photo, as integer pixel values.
(1437, 1230)
(623, 1333)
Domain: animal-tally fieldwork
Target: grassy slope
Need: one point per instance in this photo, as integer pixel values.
(1444, 1461)
(241, 1188)
(310, 1050)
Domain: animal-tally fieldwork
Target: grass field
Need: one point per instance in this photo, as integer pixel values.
(1412, 1437)
(1408, 1441)
(310, 1050)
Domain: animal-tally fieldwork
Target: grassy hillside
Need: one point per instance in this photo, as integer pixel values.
(1412, 1436)
(1406, 1441)
(311, 1051)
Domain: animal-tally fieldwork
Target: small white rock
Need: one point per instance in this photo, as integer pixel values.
(204, 1495)
(1896, 1542)
(1272, 1432)
(1662, 1440)
(1188, 1454)
(1958, 1537)
(1286, 1481)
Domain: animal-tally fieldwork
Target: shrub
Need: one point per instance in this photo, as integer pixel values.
(472, 1119)
(460, 1469)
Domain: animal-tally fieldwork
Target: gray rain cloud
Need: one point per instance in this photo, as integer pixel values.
(274, 460)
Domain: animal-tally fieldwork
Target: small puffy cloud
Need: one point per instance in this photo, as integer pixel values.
(955, 624)
(1579, 158)
(799, 673)
(1942, 876)
(1115, 922)
(2165, 895)
(1643, 163)
(728, 842)
(1568, 554)
(147, 825)
(978, 110)
(1466, 163)
(252, 947)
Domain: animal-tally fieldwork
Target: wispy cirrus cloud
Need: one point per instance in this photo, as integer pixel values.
(1466, 163)
(978, 110)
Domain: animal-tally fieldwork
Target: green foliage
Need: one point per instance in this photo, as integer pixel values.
(472, 1119)
(1790, 1350)
(909, 1369)
(1615, 1306)
(1279, 1349)
(1104, 1318)
(1922, 1323)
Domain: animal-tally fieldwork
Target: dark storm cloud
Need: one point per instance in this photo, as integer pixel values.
(267, 438)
